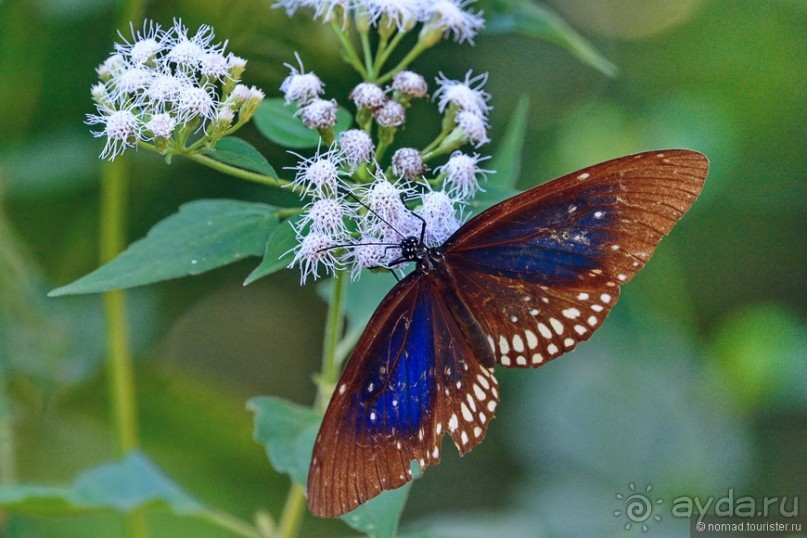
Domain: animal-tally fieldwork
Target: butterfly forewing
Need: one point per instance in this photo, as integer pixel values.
(547, 264)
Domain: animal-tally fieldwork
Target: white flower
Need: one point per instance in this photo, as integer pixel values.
(162, 125)
(165, 88)
(407, 163)
(112, 66)
(449, 16)
(121, 127)
(185, 51)
(368, 95)
(356, 146)
(319, 175)
(367, 253)
(130, 81)
(461, 174)
(195, 102)
(392, 114)
(99, 93)
(328, 215)
(474, 126)
(439, 213)
(410, 84)
(466, 95)
(145, 46)
(389, 217)
(318, 114)
(214, 65)
(301, 87)
(315, 249)
(401, 13)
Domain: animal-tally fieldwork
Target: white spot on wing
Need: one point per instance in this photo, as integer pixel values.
(453, 423)
(518, 343)
(532, 340)
(504, 347)
(584, 176)
(582, 296)
(571, 313)
(557, 325)
(552, 348)
(544, 330)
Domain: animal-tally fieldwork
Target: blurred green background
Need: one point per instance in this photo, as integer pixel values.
(697, 383)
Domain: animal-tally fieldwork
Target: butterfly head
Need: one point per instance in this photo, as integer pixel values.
(413, 249)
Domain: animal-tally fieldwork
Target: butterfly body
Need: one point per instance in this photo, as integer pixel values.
(518, 285)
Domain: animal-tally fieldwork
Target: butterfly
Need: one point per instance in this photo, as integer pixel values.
(518, 285)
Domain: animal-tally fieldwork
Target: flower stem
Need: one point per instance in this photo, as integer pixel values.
(292, 517)
(383, 55)
(348, 51)
(120, 369)
(232, 523)
(410, 57)
(368, 54)
(333, 331)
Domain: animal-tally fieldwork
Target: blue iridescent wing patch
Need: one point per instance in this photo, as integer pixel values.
(410, 382)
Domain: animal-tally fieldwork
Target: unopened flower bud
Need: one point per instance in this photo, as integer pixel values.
(368, 95)
(319, 114)
(392, 114)
(410, 84)
(407, 164)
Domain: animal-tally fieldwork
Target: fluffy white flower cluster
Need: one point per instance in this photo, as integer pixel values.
(467, 103)
(166, 82)
(446, 17)
(344, 229)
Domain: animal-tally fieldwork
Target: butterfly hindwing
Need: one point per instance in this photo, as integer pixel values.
(547, 264)
(411, 380)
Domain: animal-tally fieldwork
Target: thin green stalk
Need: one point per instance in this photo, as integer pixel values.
(333, 331)
(383, 56)
(368, 54)
(241, 173)
(232, 523)
(120, 370)
(349, 52)
(410, 57)
(293, 511)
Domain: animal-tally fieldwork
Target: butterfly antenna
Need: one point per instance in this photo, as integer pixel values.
(365, 206)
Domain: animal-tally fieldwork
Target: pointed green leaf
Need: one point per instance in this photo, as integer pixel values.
(288, 432)
(241, 154)
(277, 254)
(120, 486)
(530, 19)
(203, 235)
(507, 161)
(276, 121)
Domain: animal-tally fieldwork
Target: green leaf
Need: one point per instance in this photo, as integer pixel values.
(276, 121)
(119, 486)
(530, 19)
(203, 235)
(241, 154)
(277, 254)
(288, 432)
(507, 161)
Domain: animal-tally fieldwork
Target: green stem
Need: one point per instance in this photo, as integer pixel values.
(333, 330)
(368, 55)
(349, 52)
(383, 56)
(410, 57)
(232, 523)
(120, 370)
(240, 172)
(294, 509)
(292, 518)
